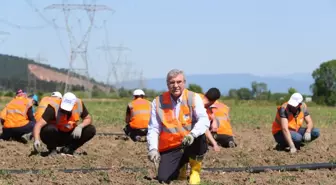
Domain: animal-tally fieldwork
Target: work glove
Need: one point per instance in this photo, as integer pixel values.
(307, 136)
(292, 149)
(154, 155)
(37, 145)
(77, 132)
(188, 140)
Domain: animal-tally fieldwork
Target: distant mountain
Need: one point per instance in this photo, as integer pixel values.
(225, 82)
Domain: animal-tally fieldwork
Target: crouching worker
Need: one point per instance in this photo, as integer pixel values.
(45, 101)
(176, 131)
(18, 119)
(137, 117)
(219, 115)
(287, 127)
(59, 126)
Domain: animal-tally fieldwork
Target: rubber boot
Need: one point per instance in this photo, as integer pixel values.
(195, 171)
(183, 172)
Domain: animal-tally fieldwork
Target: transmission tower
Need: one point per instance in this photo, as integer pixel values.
(114, 65)
(81, 47)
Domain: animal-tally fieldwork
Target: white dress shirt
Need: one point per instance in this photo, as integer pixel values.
(155, 124)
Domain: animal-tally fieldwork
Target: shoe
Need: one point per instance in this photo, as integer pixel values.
(183, 172)
(26, 138)
(232, 144)
(195, 171)
(279, 147)
(67, 150)
(52, 152)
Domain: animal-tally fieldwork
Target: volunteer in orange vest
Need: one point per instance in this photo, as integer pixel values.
(137, 116)
(287, 127)
(54, 97)
(60, 126)
(219, 115)
(18, 119)
(176, 131)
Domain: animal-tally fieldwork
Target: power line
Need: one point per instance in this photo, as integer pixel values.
(81, 47)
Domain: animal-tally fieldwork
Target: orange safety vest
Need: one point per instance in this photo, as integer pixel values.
(44, 104)
(293, 123)
(62, 123)
(222, 116)
(16, 112)
(3, 113)
(140, 113)
(174, 129)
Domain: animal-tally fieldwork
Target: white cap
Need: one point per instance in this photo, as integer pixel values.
(56, 94)
(68, 101)
(138, 92)
(295, 99)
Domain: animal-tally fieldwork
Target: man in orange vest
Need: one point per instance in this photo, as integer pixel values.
(287, 126)
(59, 126)
(176, 131)
(18, 119)
(137, 116)
(44, 103)
(218, 112)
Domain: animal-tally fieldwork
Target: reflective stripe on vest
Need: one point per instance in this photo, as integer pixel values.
(140, 110)
(16, 114)
(174, 127)
(189, 103)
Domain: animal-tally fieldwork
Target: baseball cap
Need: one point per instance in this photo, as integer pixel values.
(295, 99)
(68, 101)
(138, 92)
(56, 94)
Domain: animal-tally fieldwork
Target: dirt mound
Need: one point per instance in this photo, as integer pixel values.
(50, 75)
(255, 148)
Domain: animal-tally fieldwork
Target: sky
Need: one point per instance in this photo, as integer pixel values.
(259, 37)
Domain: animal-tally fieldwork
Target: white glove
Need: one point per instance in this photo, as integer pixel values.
(37, 145)
(307, 136)
(188, 140)
(77, 132)
(292, 149)
(154, 155)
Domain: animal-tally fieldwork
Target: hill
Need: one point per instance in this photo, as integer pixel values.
(17, 72)
(225, 82)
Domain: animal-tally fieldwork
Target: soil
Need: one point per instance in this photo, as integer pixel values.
(255, 148)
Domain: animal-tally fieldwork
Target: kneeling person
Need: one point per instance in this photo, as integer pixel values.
(17, 118)
(58, 126)
(221, 117)
(287, 126)
(137, 117)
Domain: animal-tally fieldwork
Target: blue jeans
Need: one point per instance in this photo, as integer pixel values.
(16, 133)
(297, 137)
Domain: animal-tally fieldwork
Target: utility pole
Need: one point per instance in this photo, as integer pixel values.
(81, 47)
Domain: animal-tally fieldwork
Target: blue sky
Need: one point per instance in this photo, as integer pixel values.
(260, 37)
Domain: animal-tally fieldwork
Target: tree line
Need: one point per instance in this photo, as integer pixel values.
(14, 75)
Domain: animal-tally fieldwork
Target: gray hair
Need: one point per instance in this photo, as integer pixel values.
(173, 73)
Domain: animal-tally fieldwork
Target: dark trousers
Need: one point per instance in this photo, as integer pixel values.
(223, 140)
(132, 133)
(53, 138)
(172, 160)
(16, 133)
(297, 137)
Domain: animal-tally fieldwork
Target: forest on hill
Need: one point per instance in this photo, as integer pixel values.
(14, 74)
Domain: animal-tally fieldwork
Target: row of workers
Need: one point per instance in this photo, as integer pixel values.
(182, 120)
(53, 121)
